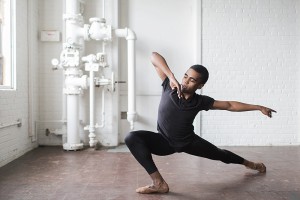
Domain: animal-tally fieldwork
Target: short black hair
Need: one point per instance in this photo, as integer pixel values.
(202, 71)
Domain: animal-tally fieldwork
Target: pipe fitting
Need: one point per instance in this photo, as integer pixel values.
(126, 33)
(99, 30)
(90, 58)
(131, 118)
(102, 81)
(130, 35)
(73, 72)
(74, 32)
(86, 28)
(81, 82)
(93, 140)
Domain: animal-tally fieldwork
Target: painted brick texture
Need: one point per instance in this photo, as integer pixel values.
(251, 52)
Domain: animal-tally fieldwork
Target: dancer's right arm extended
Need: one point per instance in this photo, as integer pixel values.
(164, 71)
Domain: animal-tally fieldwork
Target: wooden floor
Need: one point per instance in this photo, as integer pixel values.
(51, 173)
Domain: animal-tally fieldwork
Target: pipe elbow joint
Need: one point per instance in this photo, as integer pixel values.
(126, 33)
(130, 34)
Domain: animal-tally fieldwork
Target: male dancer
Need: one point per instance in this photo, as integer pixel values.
(178, 108)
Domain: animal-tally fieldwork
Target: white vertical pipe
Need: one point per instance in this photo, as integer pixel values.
(74, 29)
(103, 46)
(131, 83)
(103, 109)
(92, 98)
(103, 9)
(130, 37)
(198, 54)
(64, 103)
(64, 113)
(72, 7)
(73, 120)
(92, 135)
(73, 32)
(31, 78)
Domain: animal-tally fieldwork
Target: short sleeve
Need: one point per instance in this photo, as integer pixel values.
(166, 84)
(206, 102)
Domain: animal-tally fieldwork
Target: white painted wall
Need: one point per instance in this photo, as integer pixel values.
(50, 82)
(166, 27)
(297, 109)
(15, 141)
(250, 48)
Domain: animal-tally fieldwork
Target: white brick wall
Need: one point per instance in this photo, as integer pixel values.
(251, 50)
(297, 109)
(15, 141)
(50, 82)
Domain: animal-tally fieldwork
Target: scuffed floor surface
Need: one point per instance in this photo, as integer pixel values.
(51, 173)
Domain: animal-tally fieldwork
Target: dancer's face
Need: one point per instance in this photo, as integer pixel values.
(191, 81)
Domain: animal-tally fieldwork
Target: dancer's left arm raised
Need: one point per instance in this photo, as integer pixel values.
(236, 106)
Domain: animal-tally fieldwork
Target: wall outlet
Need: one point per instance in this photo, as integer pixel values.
(123, 115)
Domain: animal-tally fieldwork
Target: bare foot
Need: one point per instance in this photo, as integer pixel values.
(149, 189)
(257, 166)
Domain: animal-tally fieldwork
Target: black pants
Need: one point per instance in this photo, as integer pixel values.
(143, 144)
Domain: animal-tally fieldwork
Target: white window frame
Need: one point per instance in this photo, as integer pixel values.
(7, 45)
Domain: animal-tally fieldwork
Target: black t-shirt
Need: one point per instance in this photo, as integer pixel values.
(176, 116)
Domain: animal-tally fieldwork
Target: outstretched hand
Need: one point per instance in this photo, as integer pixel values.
(175, 84)
(267, 111)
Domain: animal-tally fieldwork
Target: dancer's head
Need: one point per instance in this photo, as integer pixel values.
(194, 78)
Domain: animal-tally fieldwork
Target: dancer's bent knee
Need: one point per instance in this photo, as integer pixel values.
(130, 138)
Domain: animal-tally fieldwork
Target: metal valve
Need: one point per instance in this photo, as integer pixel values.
(113, 82)
(102, 81)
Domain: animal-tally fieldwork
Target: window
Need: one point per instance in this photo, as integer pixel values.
(7, 64)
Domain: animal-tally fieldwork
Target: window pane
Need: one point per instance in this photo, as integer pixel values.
(1, 56)
(6, 44)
